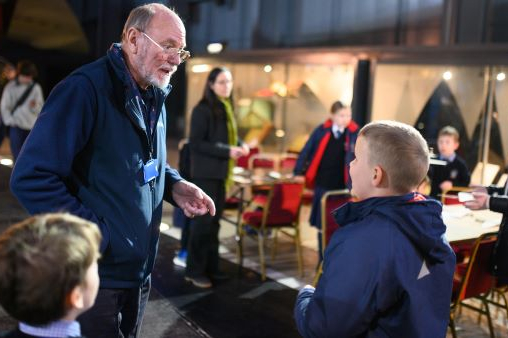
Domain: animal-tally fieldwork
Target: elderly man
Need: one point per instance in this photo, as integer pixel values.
(98, 151)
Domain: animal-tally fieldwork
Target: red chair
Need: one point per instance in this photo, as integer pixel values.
(287, 162)
(473, 280)
(263, 161)
(232, 202)
(243, 161)
(330, 201)
(282, 210)
(498, 296)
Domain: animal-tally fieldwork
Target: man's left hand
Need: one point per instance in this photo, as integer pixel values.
(192, 200)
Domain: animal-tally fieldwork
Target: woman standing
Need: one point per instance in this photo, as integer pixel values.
(214, 146)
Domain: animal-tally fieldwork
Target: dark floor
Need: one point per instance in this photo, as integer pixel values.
(239, 307)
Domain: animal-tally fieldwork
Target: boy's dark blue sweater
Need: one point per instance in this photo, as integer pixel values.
(387, 273)
(85, 156)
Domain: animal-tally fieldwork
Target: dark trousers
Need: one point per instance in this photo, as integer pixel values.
(116, 313)
(183, 222)
(203, 243)
(2, 132)
(18, 137)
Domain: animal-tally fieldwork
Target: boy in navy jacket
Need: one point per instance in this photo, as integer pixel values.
(388, 270)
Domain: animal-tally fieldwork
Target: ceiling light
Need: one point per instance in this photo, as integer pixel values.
(447, 75)
(215, 47)
(201, 68)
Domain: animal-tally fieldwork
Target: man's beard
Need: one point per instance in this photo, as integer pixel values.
(160, 83)
(151, 78)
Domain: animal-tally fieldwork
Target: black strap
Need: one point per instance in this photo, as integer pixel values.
(23, 97)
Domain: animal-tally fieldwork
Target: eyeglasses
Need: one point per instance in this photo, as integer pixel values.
(182, 53)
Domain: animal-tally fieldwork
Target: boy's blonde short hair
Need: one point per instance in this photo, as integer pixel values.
(42, 259)
(400, 150)
(449, 131)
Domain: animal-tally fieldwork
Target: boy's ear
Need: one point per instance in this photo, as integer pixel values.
(75, 298)
(456, 146)
(377, 176)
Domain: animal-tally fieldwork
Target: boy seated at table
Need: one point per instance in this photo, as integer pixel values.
(388, 270)
(455, 173)
(48, 269)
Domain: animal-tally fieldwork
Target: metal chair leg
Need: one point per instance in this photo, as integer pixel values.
(489, 319)
(261, 245)
(299, 251)
(274, 245)
(502, 294)
(452, 326)
(319, 272)
(239, 245)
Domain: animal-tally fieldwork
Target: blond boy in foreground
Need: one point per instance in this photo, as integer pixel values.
(388, 270)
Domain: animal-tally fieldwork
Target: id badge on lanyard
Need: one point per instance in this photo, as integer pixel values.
(150, 171)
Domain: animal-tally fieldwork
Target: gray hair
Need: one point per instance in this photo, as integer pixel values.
(140, 17)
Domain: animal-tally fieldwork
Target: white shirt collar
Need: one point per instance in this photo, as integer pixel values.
(336, 128)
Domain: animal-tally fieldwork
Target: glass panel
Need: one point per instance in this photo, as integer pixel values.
(430, 97)
(281, 104)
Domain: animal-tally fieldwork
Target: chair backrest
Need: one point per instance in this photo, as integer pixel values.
(478, 279)
(263, 161)
(450, 196)
(287, 162)
(330, 201)
(243, 161)
(283, 205)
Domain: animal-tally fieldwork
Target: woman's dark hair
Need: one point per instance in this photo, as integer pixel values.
(209, 98)
(27, 68)
(336, 106)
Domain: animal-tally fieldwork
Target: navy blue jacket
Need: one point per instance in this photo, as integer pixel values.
(85, 156)
(387, 272)
(312, 153)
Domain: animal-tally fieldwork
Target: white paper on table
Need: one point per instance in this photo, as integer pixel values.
(241, 179)
(238, 170)
(490, 223)
(456, 211)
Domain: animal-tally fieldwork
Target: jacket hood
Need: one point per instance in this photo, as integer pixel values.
(418, 218)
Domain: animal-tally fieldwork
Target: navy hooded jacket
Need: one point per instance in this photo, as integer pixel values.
(85, 155)
(387, 272)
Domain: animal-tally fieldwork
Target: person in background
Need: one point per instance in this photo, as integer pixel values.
(179, 219)
(496, 199)
(98, 151)
(20, 105)
(8, 73)
(48, 265)
(455, 173)
(324, 161)
(388, 270)
(214, 147)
